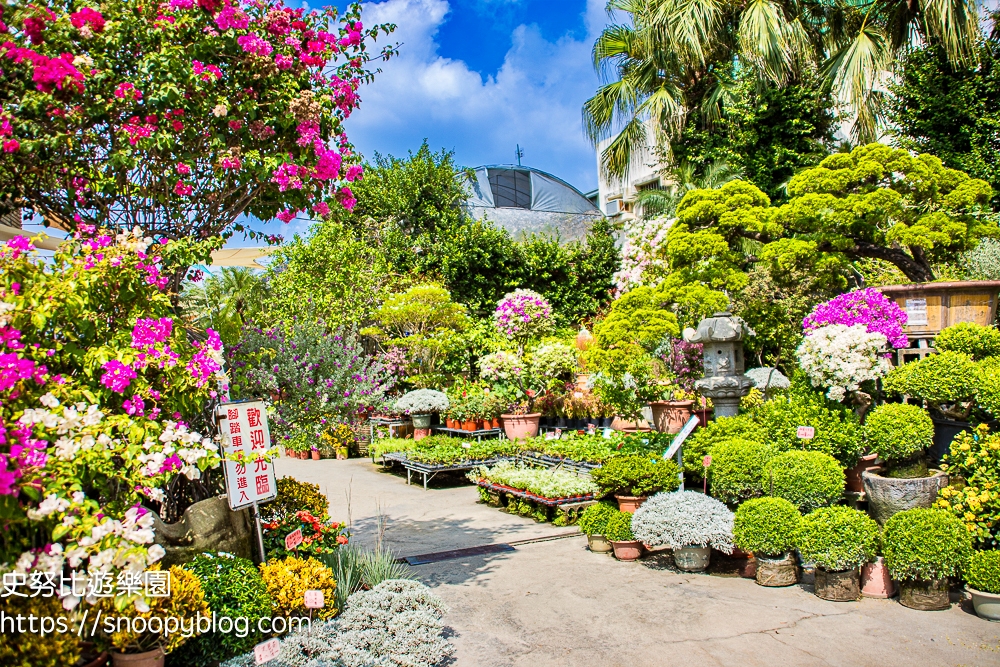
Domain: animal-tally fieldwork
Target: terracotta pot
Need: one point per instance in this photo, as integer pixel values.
(775, 572)
(838, 586)
(315, 455)
(496, 422)
(469, 425)
(888, 495)
(875, 580)
(420, 433)
(854, 483)
(153, 658)
(598, 544)
(670, 416)
(521, 427)
(629, 503)
(627, 551)
(692, 558)
(100, 661)
(925, 595)
(987, 605)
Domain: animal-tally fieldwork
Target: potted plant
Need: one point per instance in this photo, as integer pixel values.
(618, 531)
(982, 579)
(690, 523)
(900, 435)
(420, 405)
(808, 480)
(838, 540)
(633, 477)
(593, 520)
(738, 465)
(923, 547)
(314, 451)
(766, 527)
(876, 582)
(670, 414)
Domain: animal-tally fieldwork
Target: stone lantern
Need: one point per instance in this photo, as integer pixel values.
(724, 381)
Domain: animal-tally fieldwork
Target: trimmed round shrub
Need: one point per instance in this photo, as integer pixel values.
(806, 479)
(837, 432)
(637, 475)
(838, 538)
(737, 470)
(701, 442)
(898, 432)
(766, 526)
(684, 518)
(294, 496)
(969, 338)
(947, 377)
(988, 392)
(924, 544)
(983, 572)
(619, 528)
(593, 520)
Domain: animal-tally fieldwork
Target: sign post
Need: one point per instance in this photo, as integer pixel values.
(675, 446)
(249, 474)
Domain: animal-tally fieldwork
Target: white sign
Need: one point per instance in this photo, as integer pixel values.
(244, 430)
(805, 432)
(314, 599)
(681, 437)
(266, 651)
(916, 312)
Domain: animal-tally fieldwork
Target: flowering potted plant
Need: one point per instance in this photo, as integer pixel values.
(678, 364)
(314, 451)
(522, 316)
(512, 380)
(690, 523)
(420, 405)
(319, 536)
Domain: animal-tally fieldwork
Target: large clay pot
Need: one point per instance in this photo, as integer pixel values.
(629, 503)
(888, 496)
(630, 550)
(838, 586)
(775, 572)
(420, 433)
(421, 421)
(692, 558)
(521, 427)
(875, 580)
(925, 595)
(987, 605)
(670, 416)
(598, 544)
(854, 483)
(208, 525)
(154, 658)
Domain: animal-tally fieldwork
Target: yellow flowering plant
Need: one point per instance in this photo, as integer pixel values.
(287, 581)
(973, 464)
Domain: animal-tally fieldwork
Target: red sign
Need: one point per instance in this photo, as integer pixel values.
(806, 432)
(293, 539)
(266, 651)
(707, 461)
(314, 599)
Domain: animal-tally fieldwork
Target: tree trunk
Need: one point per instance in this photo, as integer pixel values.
(916, 270)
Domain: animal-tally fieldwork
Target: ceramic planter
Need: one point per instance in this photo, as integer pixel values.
(945, 431)
(670, 416)
(627, 551)
(420, 433)
(598, 544)
(629, 503)
(987, 605)
(776, 572)
(888, 496)
(154, 658)
(854, 483)
(844, 586)
(875, 580)
(521, 427)
(692, 558)
(421, 421)
(929, 595)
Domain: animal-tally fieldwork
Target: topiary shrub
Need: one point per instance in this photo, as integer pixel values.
(233, 587)
(899, 434)
(595, 517)
(766, 526)
(700, 444)
(738, 468)
(947, 382)
(924, 544)
(295, 496)
(838, 538)
(836, 426)
(684, 518)
(969, 338)
(288, 579)
(808, 480)
(636, 475)
(982, 572)
(19, 648)
(619, 528)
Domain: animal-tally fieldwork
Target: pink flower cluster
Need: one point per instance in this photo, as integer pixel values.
(206, 72)
(288, 176)
(353, 37)
(232, 17)
(149, 332)
(254, 43)
(136, 129)
(204, 363)
(48, 73)
(117, 376)
(127, 89)
(865, 306)
(91, 18)
(522, 313)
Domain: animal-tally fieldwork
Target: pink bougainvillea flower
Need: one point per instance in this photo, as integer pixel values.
(322, 208)
(182, 189)
(286, 216)
(354, 172)
(88, 17)
(11, 146)
(867, 306)
(232, 17)
(346, 198)
(117, 376)
(147, 331)
(183, 169)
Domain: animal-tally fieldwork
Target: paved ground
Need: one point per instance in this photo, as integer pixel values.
(555, 603)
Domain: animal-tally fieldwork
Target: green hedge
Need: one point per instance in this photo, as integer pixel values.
(983, 571)
(969, 338)
(898, 431)
(808, 480)
(766, 526)
(923, 544)
(738, 469)
(636, 475)
(696, 447)
(837, 431)
(619, 527)
(594, 519)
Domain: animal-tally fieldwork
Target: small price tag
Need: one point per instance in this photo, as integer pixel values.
(591, 429)
(707, 461)
(266, 651)
(551, 435)
(314, 599)
(293, 539)
(806, 432)
(608, 432)
(466, 445)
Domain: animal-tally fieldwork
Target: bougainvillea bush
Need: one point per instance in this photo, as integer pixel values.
(523, 315)
(179, 116)
(841, 358)
(867, 306)
(96, 383)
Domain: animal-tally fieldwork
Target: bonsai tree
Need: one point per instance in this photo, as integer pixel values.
(838, 538)
(766, 527)
(682, 519)
(925, 545)
(738, 470)
(969, 338)
(636, 475)
(945, 382)
(982, 572)
(594, 519)
(806, 479)
(900, 434)
(619, 528)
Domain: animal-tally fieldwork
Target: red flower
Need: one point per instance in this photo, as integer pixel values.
(341, 539)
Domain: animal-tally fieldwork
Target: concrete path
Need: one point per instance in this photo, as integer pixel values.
(555, 603)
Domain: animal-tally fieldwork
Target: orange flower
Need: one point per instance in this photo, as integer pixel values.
(342, 539)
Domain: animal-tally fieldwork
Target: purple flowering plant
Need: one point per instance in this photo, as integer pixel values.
(523, 315)
(865, 306)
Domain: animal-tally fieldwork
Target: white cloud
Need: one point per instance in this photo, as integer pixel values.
(534, 99)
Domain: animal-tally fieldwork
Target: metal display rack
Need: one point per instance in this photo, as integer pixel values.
(541, 500)
(462, 433)
(556, 462)
(429, 470)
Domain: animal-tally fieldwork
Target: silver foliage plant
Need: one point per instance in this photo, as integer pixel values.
(396, 624)
(684, 518)
(768, 380)
(422, 402)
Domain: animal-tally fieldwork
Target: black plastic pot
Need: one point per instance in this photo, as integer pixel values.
(945, 431)
(561, 422)
(605, 422)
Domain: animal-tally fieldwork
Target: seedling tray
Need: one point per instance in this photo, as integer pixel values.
(527, 495)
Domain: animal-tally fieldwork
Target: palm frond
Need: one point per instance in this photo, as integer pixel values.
(763, 40)
(854, 70)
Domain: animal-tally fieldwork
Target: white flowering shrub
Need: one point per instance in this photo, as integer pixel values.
(501, 367)
(840, 358)
(684, 518)
(422, 402)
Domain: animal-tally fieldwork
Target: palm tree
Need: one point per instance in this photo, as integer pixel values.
(225, 301)
(681, 180)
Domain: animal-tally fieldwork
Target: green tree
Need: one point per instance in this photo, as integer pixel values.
(225, 301)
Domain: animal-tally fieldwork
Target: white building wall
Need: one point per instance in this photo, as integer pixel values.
(644, 170)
